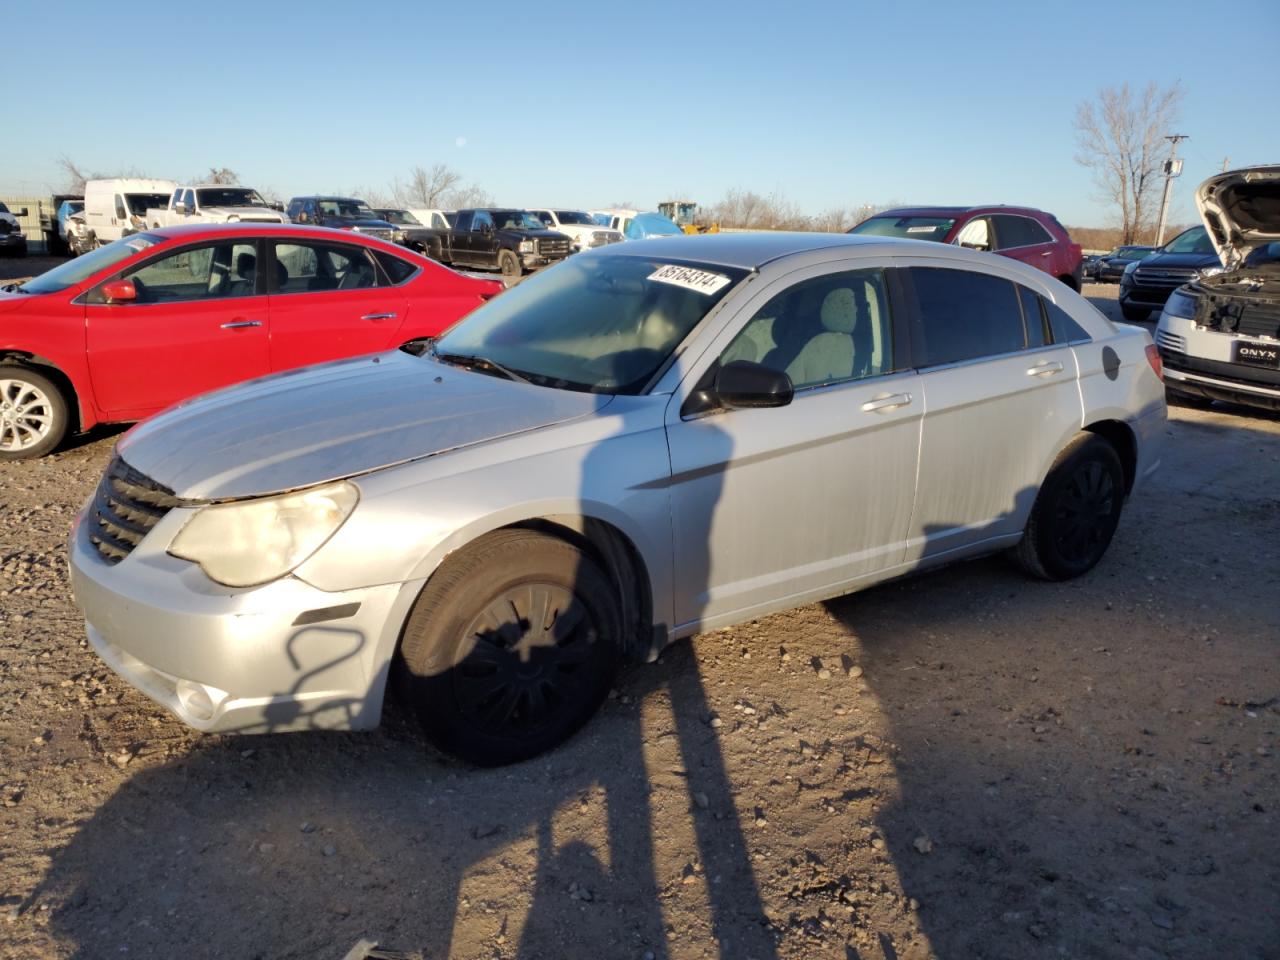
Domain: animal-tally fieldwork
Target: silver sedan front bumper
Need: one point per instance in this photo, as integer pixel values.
(280, 657)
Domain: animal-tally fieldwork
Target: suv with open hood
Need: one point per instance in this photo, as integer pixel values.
(1220, 334)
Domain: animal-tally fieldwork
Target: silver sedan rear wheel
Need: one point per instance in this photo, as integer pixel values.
(33, 414)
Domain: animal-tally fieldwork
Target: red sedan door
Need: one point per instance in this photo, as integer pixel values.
(330, 300)
(199, 322)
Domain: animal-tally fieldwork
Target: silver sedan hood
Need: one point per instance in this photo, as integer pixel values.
(1241, 210)
(336, 420)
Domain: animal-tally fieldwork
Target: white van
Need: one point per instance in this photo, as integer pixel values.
(117, 208)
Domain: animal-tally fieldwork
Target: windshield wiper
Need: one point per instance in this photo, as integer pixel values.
(470, 361)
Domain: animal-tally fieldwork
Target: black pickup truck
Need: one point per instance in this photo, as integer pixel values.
(512, 241)
(412, 233)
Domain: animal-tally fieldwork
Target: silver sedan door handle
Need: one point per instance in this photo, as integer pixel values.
(1046, 369)
(378, 316)
(241, 324)
(885, 404)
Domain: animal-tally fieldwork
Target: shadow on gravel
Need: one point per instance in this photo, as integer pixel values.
(218, 854)
(1096, 797)
(286, 846)
(103, 431)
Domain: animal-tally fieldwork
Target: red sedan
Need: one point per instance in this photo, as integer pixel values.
(156, 317)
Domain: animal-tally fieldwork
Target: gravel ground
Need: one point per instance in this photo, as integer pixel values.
(963, 765)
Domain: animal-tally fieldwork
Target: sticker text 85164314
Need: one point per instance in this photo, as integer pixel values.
(703, 281)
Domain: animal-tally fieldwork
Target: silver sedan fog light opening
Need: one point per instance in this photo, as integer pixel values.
(200, 700)
(253, 542)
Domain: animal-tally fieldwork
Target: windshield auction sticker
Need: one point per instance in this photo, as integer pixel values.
(700, 280)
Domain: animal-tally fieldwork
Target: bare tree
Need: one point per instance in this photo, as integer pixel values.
(78, 175)
(436, 187)
(426, 186)
(1121, 139)
(746, 209)
(841, 219)
(753, 211)
(373, 197)
(461, 198)
(224, 175)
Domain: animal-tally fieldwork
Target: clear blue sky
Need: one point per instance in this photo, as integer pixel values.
(590, 103)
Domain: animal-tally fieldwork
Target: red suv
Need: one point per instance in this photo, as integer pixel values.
(1021, 233)
(157, 317)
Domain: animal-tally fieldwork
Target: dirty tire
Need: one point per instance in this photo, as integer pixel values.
(512, 645)
(1076, 512)
(508, 264)
(24, 390)
(1135, 314)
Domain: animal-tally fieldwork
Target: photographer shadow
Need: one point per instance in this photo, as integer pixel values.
(300, 846)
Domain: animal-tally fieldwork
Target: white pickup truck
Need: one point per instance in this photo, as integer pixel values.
(583, 232)
(213, 203)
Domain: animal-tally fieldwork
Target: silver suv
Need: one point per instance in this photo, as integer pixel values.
(644, 442)
(1219, 336)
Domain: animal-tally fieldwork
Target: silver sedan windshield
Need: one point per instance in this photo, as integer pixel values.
(601, 324)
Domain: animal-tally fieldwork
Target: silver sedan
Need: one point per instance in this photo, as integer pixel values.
(644, 442)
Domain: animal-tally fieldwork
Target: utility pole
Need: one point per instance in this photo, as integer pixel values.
(1172, 168)
(1225, 161)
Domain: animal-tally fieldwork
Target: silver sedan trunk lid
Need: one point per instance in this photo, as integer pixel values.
(335, 420)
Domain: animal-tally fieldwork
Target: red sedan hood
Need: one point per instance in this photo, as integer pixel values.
(11, 301)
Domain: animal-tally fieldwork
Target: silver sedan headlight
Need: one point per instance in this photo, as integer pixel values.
(253, 542)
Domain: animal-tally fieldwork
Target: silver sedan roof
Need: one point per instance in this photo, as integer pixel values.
(752, 250)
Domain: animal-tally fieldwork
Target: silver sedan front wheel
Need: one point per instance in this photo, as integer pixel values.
(33, 414)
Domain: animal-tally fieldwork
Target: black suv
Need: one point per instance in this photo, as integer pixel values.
(1146, 284)
(1110, 266)
(342, 213)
